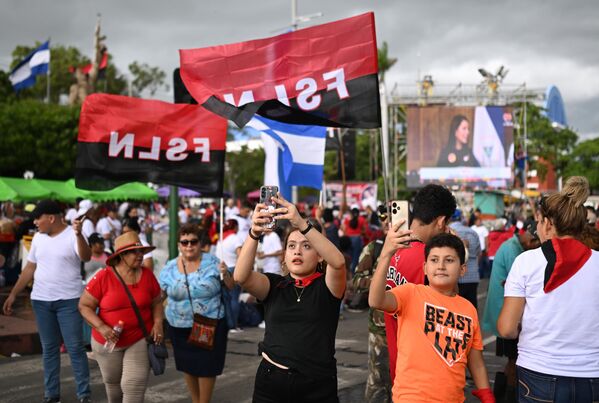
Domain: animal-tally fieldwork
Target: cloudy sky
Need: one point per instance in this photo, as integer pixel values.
(541, 42)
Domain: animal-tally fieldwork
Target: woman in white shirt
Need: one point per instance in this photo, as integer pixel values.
(551, 303)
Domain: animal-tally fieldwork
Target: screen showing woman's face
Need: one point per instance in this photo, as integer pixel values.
(463, 132)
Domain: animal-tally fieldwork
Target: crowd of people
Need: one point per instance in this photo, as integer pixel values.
(95, 283)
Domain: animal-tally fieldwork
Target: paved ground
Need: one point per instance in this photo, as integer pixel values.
(21, 379)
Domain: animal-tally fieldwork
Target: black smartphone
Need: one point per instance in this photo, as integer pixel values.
(266, 194)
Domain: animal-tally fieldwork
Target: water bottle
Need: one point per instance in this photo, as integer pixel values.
(118, 329)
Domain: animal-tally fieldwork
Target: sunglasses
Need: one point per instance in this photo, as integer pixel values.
(191, 242)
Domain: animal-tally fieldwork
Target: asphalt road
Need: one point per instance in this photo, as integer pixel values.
(21, 379)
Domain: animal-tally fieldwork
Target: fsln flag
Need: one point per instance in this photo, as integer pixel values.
(298, 157)
(36, 62)
(324, 75)
(124, 139)
(487, 141)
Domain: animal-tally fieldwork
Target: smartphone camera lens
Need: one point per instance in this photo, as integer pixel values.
(394, 211)
(394, 205)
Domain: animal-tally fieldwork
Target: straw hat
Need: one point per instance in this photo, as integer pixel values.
(126, 242)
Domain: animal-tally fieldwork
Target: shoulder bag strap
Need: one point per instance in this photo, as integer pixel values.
(133, 304)
(187, 286)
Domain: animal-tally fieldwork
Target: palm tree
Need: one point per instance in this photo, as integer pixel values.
(385, 62)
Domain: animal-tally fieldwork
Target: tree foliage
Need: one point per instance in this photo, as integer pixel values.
(546, 141)
(244, 171)
(146, 77)
(62, 58)
(584, 161)
(38, 137)
(385, 62)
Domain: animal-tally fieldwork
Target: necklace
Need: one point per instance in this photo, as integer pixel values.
(299, 295)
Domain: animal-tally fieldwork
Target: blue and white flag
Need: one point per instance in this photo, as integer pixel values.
(37, 62)
(488, 140)
(294, 154)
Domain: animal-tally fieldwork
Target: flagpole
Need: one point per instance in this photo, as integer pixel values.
(48, 76)
(385, 138)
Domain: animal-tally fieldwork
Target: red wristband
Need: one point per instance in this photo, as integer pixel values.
(484, 395)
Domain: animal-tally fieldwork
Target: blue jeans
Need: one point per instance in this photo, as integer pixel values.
(235, 292)
(535, 387)
(356, 249)
(56, 319)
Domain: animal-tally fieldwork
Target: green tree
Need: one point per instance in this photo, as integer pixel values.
(244, 171)
(385, 62)
(584, 161)
(546, 141)
(62, 59)
(38, 137)
(146, 77)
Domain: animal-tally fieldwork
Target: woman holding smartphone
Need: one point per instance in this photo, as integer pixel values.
(301, 309)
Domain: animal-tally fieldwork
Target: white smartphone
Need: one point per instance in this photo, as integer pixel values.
(266, 193)
(400, 211)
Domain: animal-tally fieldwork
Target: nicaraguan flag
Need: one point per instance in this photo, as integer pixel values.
(488, 139)
(294, 154)
(35, 63)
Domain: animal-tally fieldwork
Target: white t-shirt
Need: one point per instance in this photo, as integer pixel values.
(182, 216)
(58, 272)
(244, 225)
(271, 244)
(226, 251)
(87, 228)
(483, 233)
(107, 225)
(231, 212)
(559, 329)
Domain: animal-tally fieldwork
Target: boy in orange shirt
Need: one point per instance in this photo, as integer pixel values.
(438, 331)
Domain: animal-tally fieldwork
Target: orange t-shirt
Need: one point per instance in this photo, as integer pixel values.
(435, 334)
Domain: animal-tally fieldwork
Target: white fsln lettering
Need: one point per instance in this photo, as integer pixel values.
(339, 83)
(176, 150)
(306, 99)
(115, 147)
(203, 147)
(245, 98)
(282, 94)
(154, 153)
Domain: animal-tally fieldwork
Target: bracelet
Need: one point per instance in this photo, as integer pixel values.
(308, 228)
(254, 237)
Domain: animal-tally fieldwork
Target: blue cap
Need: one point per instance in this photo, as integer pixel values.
(457, 215)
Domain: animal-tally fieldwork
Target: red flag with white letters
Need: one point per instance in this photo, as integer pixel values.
(323, 75)
(124, 139)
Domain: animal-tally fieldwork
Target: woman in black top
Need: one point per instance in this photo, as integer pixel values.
(457, 152)
(301, 310)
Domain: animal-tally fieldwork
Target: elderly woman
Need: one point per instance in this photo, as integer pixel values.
(301, 310)
(125, 370)
(195, 275)
(551, 302)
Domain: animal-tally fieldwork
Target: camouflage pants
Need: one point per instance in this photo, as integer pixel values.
(378, 385)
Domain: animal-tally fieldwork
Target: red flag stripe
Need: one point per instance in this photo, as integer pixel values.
(325, 56)
(153, 124)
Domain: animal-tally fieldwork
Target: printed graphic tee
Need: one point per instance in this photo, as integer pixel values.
(435, 333)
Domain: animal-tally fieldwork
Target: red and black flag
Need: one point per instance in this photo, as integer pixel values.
(124, 139)
(324, 75)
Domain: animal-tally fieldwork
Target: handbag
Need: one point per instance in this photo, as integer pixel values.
(203, 329)
(157, 353)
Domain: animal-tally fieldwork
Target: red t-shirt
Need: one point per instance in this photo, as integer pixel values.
(349, 231)
(114, 303)
(406, 266)
(496, 238)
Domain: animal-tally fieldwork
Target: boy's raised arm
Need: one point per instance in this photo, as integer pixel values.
(378, 298)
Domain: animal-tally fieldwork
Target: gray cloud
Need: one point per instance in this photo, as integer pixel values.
(542, 42)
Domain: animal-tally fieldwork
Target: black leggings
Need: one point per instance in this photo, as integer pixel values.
(276, 385)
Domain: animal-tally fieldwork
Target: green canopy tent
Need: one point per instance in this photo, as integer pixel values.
(24, 190)
(18, 190)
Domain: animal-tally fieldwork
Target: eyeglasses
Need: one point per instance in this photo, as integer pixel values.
(191, 242)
